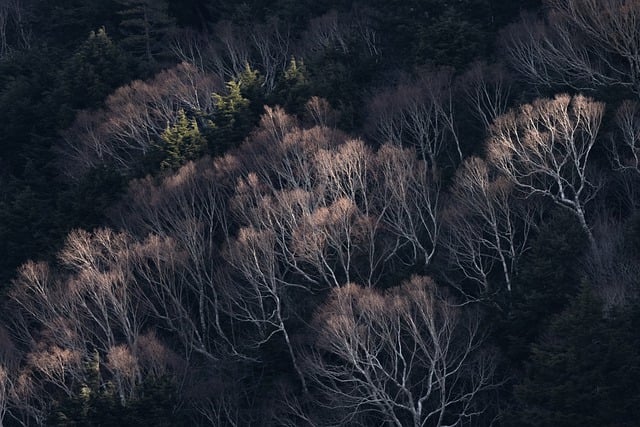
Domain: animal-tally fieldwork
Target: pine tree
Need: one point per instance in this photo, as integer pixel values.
(232, 120)
(97, 68)
(583, 371)
(145, 26)
(182, 142)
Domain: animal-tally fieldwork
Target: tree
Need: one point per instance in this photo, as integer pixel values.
(96, 69)
(488, 90)
(404, 357)
(418, 113)
(584, 44)
(92, 308)
(544, 149)
(545, 285)
(133, 121)
(271, 41)
(625, 143)
(486, 224)
(583, 370)
(145, 25)
(182, 142)
(232, 118)
(15, 31)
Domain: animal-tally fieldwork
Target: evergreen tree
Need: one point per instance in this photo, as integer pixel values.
(294, 89)
(97, 68)
(584, 371)
(547, 281)
(232, 120)
(182, 142)
(145, 27)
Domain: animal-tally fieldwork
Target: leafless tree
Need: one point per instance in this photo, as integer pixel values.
(194, 48)
(340, 32)
(611, 270)
(92, 305)
(544, 149)
(418, 113)
(625, 143)
(327, 32)
(385, 112)
(9, 364)
(4, 25)
(56, 366)
(320, 112)
(344, 212)
(364, 29)
(5, 386)
(409, 202)
(101, 284)
(134, 118)
(318, 210)
(272, 44)
(15, 32)
(486, 224)
(233, 52)
(487, 89)
(405, 357)
(583, 43)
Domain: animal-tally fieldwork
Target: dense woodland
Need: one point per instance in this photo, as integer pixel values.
(319, 213)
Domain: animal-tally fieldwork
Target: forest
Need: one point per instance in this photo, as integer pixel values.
(320, 213)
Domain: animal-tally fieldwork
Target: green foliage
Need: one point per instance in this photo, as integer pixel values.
(294, 88)
(233, 118)
(583, 371)
(579, 366)
(97, 68)
(251, 85)
(182, 142)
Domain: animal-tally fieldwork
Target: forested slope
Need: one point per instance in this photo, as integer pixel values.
(319, 213)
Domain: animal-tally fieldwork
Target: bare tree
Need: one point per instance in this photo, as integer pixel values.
(194, 48)
(487, 89)
(9, 364)
(405, 357)
(409, 202)
(625, 144)
(418, 113)
(320, 112)
(134, 118)
(5, 386)
(585, 44)
(5, 15)
(234, 51)
(341, 32)
(318, 210)
(486, 224)
(15, 31)
(91, 306)
(101, 285)
(327, 32)
(188, 213)
(544, 149)
(611, 269)
(271, 41)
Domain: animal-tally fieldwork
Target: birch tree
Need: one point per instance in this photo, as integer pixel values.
(404, 357)
(544, 149)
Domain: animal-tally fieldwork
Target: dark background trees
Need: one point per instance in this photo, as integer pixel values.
(318, 212)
